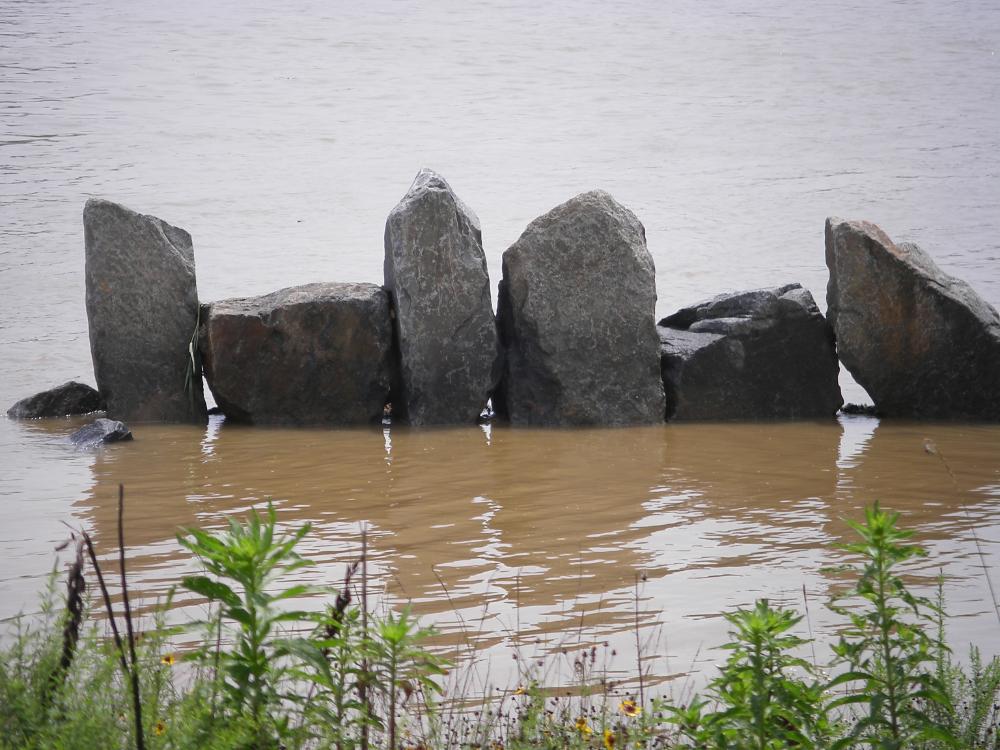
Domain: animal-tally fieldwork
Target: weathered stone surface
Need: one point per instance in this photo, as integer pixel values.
(100, 431)
(922, 343)
(68, 398)
(313, 354)
(142, 305)
(576, 319)
(435, 270)
(761, 354)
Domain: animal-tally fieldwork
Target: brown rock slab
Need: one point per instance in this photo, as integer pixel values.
(313, 354)
(921, 342)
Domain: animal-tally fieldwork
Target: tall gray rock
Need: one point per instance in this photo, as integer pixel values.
(142, 306)
(576, 319)
(922, 343)
(313, 354)
(761, 354)
(435, 270)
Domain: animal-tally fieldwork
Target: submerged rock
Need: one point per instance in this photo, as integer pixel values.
(100, 431)
(142, 306)
(435, 272)
(761, 354)
(313, 354)
(922, 343)
(68, 398)
(576, 319)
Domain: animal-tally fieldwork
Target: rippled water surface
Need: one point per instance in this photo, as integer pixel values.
(280, 135)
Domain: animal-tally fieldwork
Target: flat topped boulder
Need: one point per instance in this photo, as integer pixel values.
(313, 354)
(576, 319)
(922, 343)
(435, 271)
(142, 307)
(759, 354)
(68, 398)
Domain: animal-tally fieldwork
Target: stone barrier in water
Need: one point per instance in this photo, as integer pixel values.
(573, 342)
(760, 354)
(922, 343)
(576, 321)
(142, 307)
(313, 354)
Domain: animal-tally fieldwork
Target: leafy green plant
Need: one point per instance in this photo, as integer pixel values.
(973, 715)
(243, 565)
(331, 663)
(402, 667)
(888, 649)
(762, 701)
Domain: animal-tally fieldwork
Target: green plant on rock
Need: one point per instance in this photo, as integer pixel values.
(243, 564)
(888, 649)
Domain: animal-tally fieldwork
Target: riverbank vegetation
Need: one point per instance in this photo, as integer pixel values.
(264, 674)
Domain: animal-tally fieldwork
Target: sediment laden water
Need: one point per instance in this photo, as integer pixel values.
(535, 538)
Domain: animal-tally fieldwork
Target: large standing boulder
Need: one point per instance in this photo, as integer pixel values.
(922, 343)
(761, 354)
(142, 305)
(63, 400)
(313, 354)
(576, 319)
(435, 270)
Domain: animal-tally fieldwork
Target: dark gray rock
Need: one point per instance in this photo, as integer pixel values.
(435, 271)
(922, 343)
(68, 398)
(142, 305)
(576, 319)
(761, 354)
(313, 354)
(100, 431)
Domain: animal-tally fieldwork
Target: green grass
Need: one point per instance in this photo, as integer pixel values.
(264, 674)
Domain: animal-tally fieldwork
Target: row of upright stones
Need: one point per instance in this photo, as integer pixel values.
(574, 340)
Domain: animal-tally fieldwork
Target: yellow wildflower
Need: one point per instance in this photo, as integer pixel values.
(168, 659)
(629, 708)
(583, 727)
(160, 728)
(519, 690)
(609, 739)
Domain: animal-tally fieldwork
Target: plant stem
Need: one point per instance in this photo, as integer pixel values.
(638, 644)
(140, 740)
(107, 605)
(363, 688)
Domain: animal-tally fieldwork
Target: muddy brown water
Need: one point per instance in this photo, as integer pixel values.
(531, 541)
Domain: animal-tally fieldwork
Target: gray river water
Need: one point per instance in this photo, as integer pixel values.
(281, 134)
